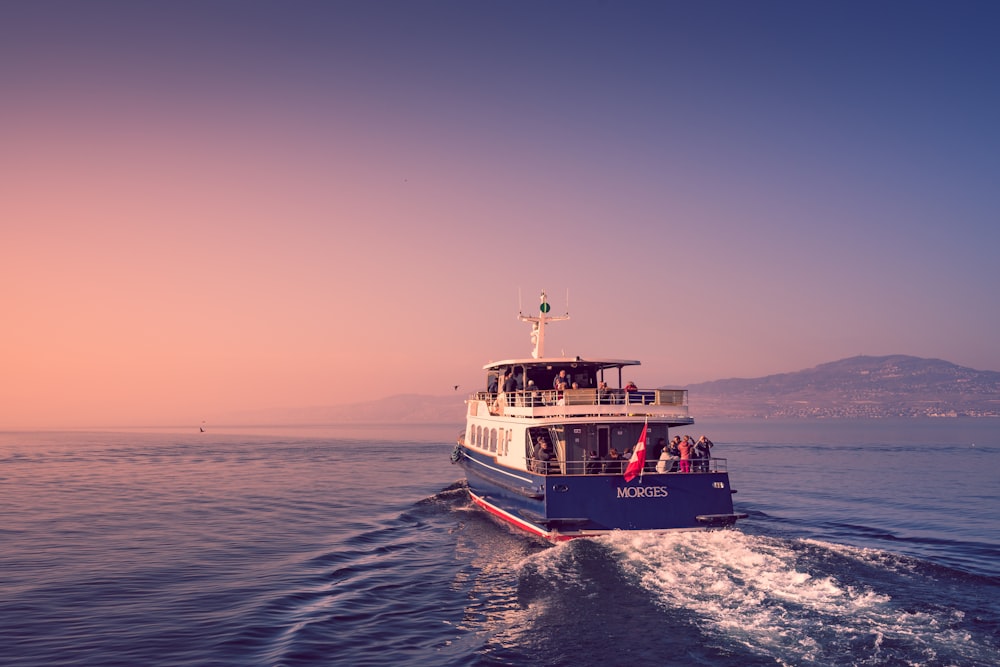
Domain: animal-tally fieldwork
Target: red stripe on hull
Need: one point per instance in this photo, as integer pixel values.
(520, 523)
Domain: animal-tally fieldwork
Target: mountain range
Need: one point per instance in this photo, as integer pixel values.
(863, 386)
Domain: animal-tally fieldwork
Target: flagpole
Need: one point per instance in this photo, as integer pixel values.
(645, 426)
(637, 462)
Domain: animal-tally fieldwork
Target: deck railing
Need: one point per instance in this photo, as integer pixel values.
(612, 468)
(574, 402)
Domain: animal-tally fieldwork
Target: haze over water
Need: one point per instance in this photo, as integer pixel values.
(222, 206)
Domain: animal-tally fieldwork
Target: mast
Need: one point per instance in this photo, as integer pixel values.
(538, 326)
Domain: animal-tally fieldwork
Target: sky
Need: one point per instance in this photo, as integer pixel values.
(223, 206)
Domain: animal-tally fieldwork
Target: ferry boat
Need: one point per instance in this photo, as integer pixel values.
(537, 441)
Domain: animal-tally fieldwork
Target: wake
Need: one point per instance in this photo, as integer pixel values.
(804, 601)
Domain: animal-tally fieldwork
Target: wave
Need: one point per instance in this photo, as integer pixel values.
(441, 582)
(811, 602)
(427, 585)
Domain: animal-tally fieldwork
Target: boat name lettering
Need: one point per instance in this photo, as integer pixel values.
(643, 492)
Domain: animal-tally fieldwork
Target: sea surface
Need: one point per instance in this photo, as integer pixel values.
(868, 543)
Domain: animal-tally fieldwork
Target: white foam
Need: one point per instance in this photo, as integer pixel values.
(756, 591)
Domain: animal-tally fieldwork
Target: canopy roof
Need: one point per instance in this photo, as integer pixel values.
(572, 362)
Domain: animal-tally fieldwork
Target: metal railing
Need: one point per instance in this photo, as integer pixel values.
(547, 402)
(617, 467)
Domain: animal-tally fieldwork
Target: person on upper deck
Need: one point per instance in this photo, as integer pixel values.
(594, 464)
(561, 379)
(631, 386)
(509, 383)
(533, 397)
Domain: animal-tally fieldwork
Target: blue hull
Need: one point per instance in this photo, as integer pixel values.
(567, 506)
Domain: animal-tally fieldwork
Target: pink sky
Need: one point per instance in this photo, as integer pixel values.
(314, 204)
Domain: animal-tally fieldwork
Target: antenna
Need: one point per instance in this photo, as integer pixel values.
(538, 325)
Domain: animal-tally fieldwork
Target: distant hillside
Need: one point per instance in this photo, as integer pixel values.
(892, 386)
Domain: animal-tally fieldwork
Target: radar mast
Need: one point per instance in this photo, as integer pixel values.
(538, 325)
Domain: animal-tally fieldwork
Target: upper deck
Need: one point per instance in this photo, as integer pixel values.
(669, 404)
(543, 387)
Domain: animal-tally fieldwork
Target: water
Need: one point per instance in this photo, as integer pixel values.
(868, 543)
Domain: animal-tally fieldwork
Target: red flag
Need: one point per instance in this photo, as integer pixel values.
(638, 460)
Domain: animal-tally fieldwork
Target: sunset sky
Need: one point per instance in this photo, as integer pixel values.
(209, 207)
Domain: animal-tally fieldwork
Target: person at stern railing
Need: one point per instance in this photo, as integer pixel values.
(544, 457)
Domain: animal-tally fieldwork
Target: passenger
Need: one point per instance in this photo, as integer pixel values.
(509, 383)
(561, 379)
(631, 386)
(703, 451)
(560, 383)
(594, 465)
(667, 461)
(685, 447)
(662, 461)
(675, 453)
(534, 397)
(509, 389)
(544, 457)
(614, 463)
(603, 392)
(695, 454)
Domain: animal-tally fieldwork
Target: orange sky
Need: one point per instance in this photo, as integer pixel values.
(201, 216)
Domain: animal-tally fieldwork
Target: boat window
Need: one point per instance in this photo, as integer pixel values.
(493, 439)
(479, 436)
(502, 442)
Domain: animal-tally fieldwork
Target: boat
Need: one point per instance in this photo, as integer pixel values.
(538, 436)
